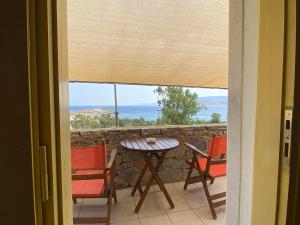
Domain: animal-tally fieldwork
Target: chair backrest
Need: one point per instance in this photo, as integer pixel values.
(217, 146)
(89, 157)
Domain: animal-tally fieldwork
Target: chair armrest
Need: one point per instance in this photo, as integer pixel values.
(112, 159)
(218, 161)
(192, 147)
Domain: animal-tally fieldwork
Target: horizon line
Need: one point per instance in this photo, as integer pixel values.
(139, 103)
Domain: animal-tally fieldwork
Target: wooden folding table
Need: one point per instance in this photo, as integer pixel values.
(157, 149)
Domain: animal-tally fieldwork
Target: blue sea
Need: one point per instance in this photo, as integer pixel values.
(152, 112)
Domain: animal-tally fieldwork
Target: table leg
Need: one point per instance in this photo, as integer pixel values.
(155, 176)
(154, 172)
(140, 190)
(137, 185)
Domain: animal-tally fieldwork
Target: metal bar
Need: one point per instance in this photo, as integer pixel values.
(116, 106)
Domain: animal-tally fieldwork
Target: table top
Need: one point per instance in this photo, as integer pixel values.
(140, 144)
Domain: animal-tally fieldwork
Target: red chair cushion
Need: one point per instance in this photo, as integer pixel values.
(87, 188)
(218, 170)
(217, 146)
(87, 161)
(89, 157)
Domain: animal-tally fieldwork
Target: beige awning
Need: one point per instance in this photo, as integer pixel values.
(166, 42)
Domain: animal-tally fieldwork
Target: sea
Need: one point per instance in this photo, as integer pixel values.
(152, 112)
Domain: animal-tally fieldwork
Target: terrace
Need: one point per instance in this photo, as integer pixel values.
(191, 205)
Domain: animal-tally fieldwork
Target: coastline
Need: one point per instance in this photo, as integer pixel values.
(148, 112)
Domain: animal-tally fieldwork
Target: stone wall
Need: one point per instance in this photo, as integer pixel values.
(130, 164)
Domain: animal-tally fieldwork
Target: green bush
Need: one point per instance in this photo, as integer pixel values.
(178, 106)
(215, 118)
(106, 121)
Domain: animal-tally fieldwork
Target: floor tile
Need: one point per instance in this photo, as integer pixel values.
(179, 187)
(218, 185)
(206, 216)
(195, 198)
(193, 188)
(133, 222)
(185, 218)
(93, 208)
(151, 207)
(212, 188)
(120, 212)
(151, 194)
(179, 202)
(93, 211)
(123, 211)
(156, 220)
(170, 188)
(124, 195)
(221, 182)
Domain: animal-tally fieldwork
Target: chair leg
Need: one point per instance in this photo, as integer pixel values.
(115, 193)
(209, 199)
(188, 176)
(111, 193)
(212, 180)
(210, 203)
(109, 203)
(74, 201)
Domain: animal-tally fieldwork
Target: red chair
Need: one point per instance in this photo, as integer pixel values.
(93, 177)
(209, 166)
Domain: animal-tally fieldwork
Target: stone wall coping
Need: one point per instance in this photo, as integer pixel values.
(223, 125)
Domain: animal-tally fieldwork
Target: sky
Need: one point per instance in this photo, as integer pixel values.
(103, 94)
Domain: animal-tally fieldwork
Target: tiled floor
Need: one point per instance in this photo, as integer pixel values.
(191, 207)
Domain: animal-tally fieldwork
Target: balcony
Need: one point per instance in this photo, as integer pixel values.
(191, 205)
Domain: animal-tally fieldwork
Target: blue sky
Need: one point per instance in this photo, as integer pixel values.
(103, 94)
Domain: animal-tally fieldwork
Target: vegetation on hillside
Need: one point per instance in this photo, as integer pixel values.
(105, 121)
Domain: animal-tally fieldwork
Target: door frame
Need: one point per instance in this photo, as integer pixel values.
(51, 69)
(293, 210)
(256, 53)
(62, 113)
(242, 86)
(243, 93)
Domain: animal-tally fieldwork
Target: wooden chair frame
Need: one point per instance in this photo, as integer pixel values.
(109, 191)
(204, 176)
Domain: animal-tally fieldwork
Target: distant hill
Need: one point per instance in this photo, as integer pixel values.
(214, 100)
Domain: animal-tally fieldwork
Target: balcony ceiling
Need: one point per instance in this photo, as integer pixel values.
(163, 42)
